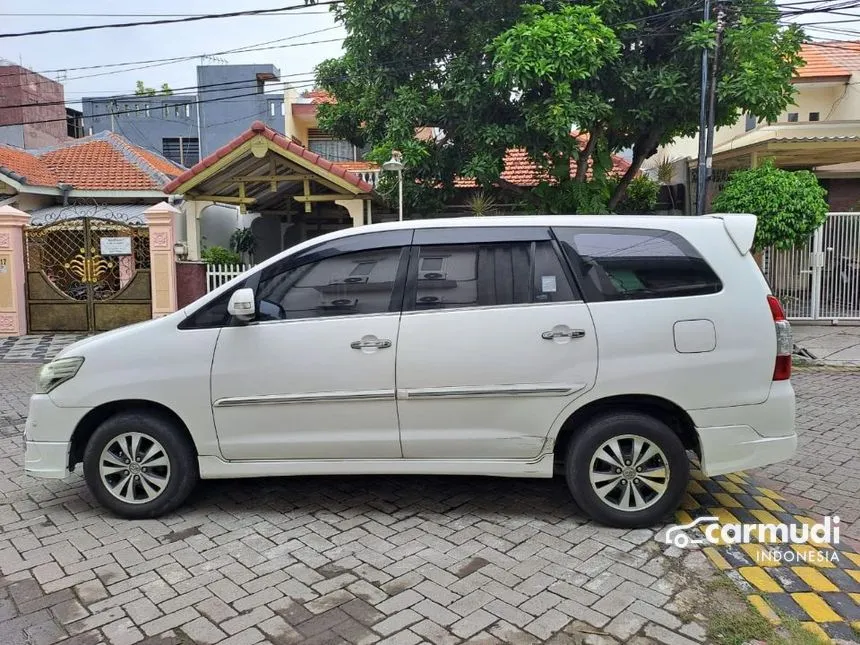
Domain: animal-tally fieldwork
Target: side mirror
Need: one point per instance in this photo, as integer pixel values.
(242, 305)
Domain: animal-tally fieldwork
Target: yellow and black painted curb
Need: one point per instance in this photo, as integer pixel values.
(815, 582)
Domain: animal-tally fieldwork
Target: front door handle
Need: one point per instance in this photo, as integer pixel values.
(562, 333)
(371, 342)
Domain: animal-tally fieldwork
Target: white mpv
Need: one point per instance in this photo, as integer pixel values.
(606, 348)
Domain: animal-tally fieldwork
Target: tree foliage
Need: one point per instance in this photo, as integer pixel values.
(789, 205)
(140, 89)
(488, 75)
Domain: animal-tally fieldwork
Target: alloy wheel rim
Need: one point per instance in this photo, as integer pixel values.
(134, 468)
(629, 473)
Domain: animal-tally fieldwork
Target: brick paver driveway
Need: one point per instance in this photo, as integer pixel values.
(825, 473)
(338, 560)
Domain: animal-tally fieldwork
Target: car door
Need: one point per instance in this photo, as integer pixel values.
(494, 342)
(313, 376)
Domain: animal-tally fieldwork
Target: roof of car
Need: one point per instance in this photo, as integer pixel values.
(629, 221)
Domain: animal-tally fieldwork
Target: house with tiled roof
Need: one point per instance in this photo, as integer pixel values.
(100, 170)
(820, 132)
(301, 125)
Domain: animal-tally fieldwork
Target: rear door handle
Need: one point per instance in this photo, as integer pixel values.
(562, 333)
(371, 343)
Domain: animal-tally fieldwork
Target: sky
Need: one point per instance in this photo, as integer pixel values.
(296, 63)
(62, 51)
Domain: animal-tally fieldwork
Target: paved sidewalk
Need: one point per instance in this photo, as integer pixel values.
(35, 348)
(393, 560)
(833, 344)
(825, 473)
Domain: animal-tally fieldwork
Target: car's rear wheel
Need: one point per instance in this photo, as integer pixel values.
(139, 465)
(627, 469)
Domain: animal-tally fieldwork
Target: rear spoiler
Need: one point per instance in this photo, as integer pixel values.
(740, 227)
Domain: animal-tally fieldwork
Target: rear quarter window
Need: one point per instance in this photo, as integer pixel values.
(631, 264)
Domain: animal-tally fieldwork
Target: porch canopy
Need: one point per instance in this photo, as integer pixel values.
(263, 172)
(802, 145)
(262, 169)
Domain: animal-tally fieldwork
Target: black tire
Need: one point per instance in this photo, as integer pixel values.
(589, 439)
(182, 475)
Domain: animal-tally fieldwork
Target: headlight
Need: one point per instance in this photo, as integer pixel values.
(57, 372)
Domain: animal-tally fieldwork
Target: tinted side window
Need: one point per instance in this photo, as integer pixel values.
(625, 264)
(481, 275)
(348, 284)
(212, 314)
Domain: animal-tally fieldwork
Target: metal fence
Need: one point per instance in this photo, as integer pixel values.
(820, 280)
(218, 274)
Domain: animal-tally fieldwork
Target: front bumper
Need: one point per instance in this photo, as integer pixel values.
(47, 437)
(47, 459)
(733, 448)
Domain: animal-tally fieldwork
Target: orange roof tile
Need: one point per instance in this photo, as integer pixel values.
(522, 171)
(260, 128)
(833, 59)
(105, 161)
(356, 166)
(318, 96)
(25, 167)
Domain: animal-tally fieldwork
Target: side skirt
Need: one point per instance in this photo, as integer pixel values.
(217, 468)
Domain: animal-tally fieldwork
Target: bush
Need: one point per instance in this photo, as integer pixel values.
(640, 196)
(790, 205)
(220, 255)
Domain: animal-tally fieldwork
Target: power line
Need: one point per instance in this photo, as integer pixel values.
(123, 15)
(168, 21)
(245, 48)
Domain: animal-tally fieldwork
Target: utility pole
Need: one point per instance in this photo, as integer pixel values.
(712, 99)
(701, 176)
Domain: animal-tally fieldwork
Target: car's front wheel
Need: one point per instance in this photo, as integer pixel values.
(139, 465)
(627, 469)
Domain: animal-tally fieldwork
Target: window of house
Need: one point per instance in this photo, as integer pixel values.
(334, 149)
(177, 111)
(751, 122)
(792, 117)
(814, 116)
(482, 275)
(359, 283)
(182, 150)
(283, 109)
(146, 109)
(632, 264)
(165, 110)
(271, 108)
(187, 111)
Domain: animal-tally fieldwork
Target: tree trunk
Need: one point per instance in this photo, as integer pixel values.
(642, 149)
(585, 155)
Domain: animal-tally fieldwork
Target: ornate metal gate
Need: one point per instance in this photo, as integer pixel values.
(87, 274)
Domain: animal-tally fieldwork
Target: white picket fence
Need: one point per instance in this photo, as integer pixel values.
(218, 274)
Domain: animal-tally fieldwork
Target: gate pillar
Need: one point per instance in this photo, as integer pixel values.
(13, 303)
(160, 220)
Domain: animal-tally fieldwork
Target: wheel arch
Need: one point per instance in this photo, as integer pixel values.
(98, 415)
(660, 408)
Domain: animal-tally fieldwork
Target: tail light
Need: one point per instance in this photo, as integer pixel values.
(784, 342)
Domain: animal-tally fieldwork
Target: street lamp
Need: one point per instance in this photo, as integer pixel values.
(396, 164)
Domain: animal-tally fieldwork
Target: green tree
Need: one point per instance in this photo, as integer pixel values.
(489, 75)
(789, 205)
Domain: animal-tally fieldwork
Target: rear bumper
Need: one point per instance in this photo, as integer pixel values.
(732, 448)
(748, 436)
